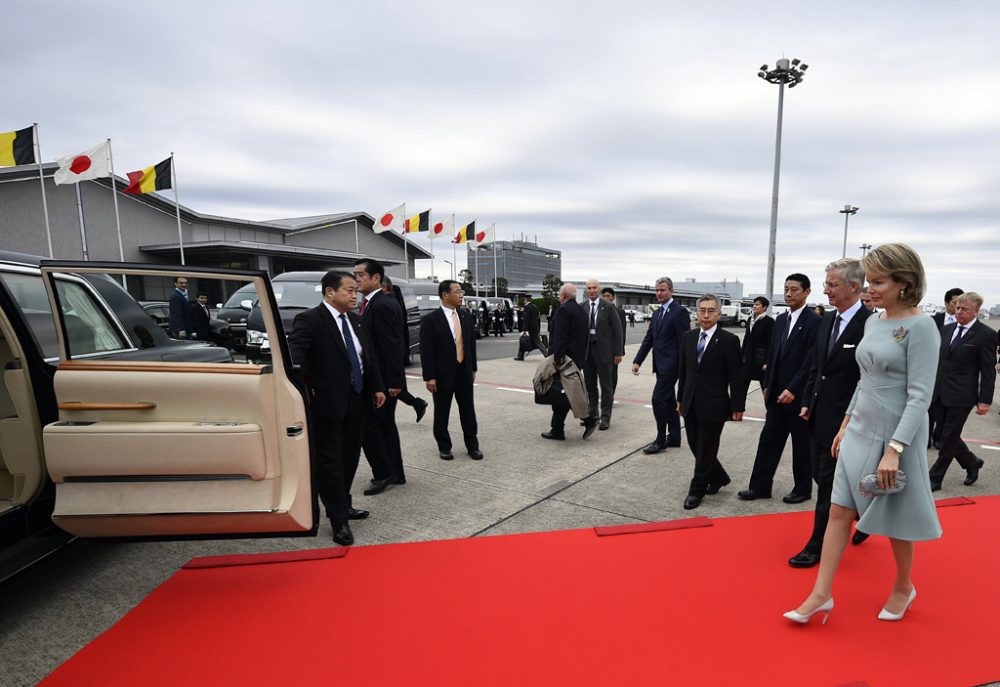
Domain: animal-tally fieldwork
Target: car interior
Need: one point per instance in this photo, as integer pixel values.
(21, 464)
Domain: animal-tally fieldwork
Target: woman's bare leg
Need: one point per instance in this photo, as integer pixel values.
(838, 533)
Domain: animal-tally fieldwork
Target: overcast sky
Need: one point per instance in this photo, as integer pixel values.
(633, 136)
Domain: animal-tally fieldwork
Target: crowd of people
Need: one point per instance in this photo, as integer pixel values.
(862, 392)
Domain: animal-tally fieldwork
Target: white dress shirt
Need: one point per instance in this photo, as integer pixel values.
(350, 327)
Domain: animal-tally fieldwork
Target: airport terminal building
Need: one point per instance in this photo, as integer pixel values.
(149, 232)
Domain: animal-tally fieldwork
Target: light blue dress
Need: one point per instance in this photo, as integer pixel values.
(898, 361)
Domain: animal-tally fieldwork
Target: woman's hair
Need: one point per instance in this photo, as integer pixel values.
(902, 264)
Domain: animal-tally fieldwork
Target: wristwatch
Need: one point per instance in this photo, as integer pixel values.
(896, 446)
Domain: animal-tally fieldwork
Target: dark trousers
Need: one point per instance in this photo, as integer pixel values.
(596, 372)
(952, 422)
(461, 390)
(383, 425)
(824, 466)
(529, 343)
(668, 422)
(406, 397)
(703, 440)
(374, 446)
(559, 413)
(338, 447)
(781, 421)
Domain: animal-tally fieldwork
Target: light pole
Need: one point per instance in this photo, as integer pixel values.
(790, 73)
(452, 268)
(847, 212)
(865, 247)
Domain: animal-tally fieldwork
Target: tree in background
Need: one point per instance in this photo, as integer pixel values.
(502, 287)
(550, 288)
(465, 279)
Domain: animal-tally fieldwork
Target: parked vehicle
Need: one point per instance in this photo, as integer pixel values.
(160, 312)
(298, 291)
(134, 440)
(235, 311)
(639, 315)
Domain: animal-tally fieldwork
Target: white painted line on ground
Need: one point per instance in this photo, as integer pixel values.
(753, 419)
(520, 391)
(992, 448)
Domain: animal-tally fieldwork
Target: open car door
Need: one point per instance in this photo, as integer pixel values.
(151, 440)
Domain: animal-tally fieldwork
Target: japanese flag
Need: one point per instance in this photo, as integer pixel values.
(90, 164)
(392, 220)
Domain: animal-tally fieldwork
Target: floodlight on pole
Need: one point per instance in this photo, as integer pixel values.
(847, 212)
(791, 73)
(865, 247)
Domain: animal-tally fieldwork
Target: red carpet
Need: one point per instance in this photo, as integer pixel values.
(695, 606)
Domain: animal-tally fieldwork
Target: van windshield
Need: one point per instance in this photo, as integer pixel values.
(297, 294)
(243, 293)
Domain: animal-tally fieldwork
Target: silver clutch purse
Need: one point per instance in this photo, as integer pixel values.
(869, 488)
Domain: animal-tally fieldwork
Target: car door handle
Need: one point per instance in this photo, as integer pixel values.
(294, 430)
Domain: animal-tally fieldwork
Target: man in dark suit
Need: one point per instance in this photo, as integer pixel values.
(788, 359)
(201, 318)
(712, 392)
(532, 326)
(965, 379)
(568, 339)
(606, 348)
(833, 377)
(608, 294)
(448, 359)
(941, 319)
(180, 323)
(383, 320)
(663, 337)
(756, 341)
(331, 345)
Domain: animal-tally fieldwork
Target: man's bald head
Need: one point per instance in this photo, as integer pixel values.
(567, 292)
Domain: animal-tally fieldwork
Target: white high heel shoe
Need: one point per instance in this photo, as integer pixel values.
(802, 619)
(886, 615)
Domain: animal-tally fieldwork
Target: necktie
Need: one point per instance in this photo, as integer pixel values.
(593, 321)
(352, 355)
(785, 328)
(459, 342)
(364, 304)
(958, 337)
(702, 342)
(834, 335)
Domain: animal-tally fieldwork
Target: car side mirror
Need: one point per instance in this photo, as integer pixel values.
(218, 306)
(246, 305)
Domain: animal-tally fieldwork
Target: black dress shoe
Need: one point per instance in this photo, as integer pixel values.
(714, 488)
(475, 454)
(603, 425)
(355, 514)
(516, 358)
(804, 559)
(400, 480)
(935, 486)
(591, 427)
(552, 434)
(858, 537)
(445, 455)
(692, 502)
(378, 486)
(655, 447)
(972, 474)
(792, 497)
(420, 408)
(751, 495)
(342, 535)
(673, 442)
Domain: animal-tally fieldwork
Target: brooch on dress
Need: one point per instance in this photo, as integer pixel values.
(900, 334)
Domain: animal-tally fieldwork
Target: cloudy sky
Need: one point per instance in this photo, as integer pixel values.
(634, 136)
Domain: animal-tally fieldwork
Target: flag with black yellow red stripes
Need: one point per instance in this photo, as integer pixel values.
(466, 233)
(419, 222)
(155, 178)
(17, 147)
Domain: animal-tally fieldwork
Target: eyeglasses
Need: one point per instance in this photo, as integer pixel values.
(707, 311)
(831, 284)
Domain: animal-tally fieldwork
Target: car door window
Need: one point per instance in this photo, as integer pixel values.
(89, 330)
(29, 294)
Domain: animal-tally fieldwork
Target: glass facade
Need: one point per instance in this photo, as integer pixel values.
(523, 264)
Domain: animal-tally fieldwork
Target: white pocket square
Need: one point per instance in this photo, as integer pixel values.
(848, 345)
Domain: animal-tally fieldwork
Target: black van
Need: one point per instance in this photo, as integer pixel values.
(298, 291)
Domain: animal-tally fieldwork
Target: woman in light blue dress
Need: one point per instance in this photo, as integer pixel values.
(885, 431)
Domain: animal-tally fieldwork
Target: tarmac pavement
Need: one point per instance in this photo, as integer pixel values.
(525, 484)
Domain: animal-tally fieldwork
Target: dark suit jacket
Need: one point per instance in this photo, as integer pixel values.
(180, 315)
(788, 364)
(755, 345)
(609, 331)
(317, 345)
(201, 322)
(437, 347)
(532, 323)
(569, 334)
(715, 388)
(383, 319)
(622, 317)
(833, 378)
(938, 318)
(664, 336)
(966, 375)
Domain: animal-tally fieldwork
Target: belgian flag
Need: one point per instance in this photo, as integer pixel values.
(17, 147)
(466, 233)
(420, 222)
(155, 178)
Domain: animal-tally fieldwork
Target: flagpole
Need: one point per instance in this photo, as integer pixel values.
(177, 205)
(431, 228)
(496, 281)
(454, 257)
(83, 230)
(118, 222)
(41, 179)
(477, 269)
